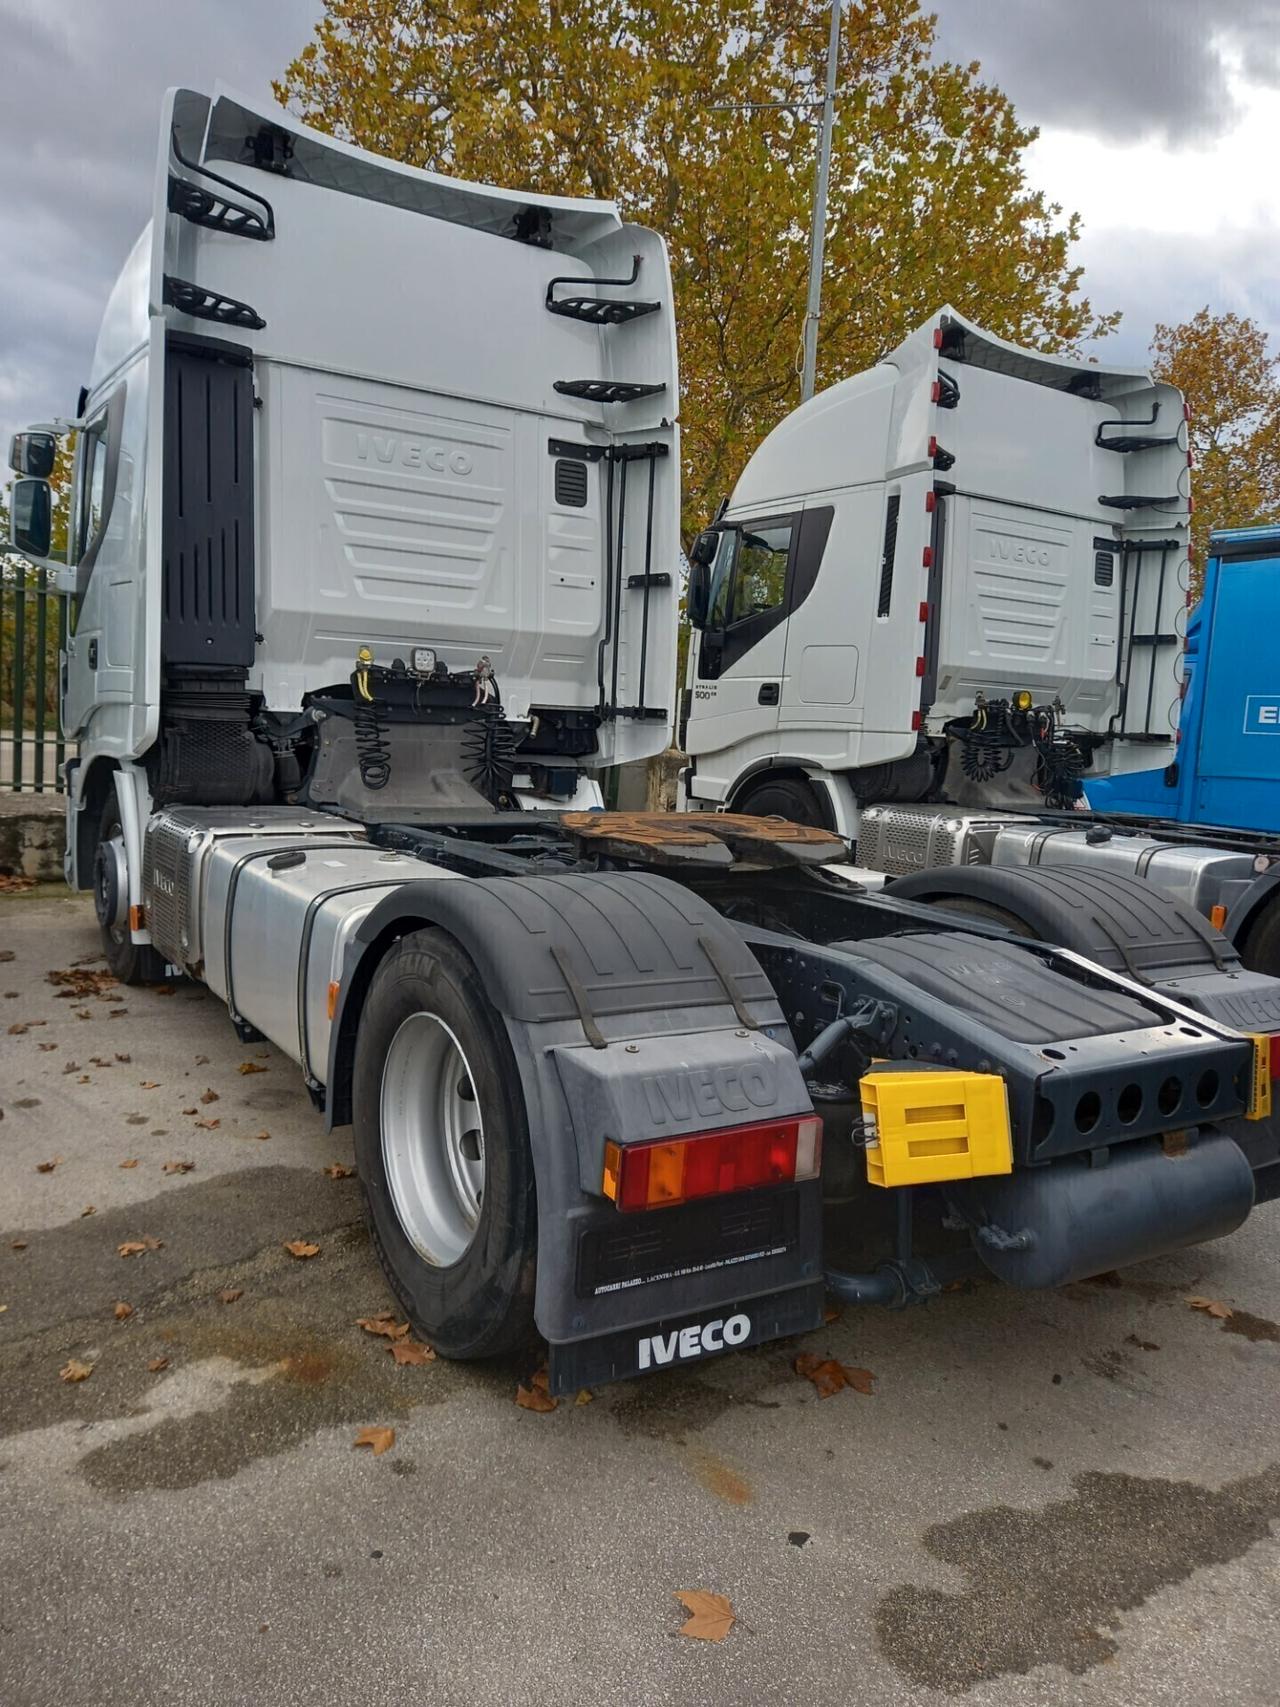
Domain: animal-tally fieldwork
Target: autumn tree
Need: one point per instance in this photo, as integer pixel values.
(699, 118)
(1223, 365)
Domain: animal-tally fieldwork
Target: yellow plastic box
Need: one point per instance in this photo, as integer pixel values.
(923, 1125)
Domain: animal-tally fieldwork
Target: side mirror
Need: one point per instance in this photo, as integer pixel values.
(705, 546)
(31, 517)
(33, 453)
(698, 598)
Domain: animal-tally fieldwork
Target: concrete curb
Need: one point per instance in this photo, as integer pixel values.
(32, 835)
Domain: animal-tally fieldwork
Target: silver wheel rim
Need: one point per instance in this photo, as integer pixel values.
(112, 852)
(432, 1139)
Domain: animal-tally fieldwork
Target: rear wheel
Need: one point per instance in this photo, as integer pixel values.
(131, 962)
(1260, 949)
(442, 1144)
(970, 907)
(783, 797)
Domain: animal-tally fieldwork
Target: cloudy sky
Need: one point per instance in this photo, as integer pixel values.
(1158, 120)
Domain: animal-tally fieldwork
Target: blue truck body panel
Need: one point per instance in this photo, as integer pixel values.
(1228, 765)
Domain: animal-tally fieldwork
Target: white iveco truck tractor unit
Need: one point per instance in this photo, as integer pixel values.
(956, 576)
(945, 596)
(372, 571)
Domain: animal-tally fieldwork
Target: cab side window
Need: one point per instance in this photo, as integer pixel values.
(91, 517)
(760, 582)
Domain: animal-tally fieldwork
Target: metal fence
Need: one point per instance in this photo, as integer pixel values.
(33, 630)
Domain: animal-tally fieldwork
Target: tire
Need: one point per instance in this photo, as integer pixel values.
(1260, 949)
(131, 962)
(456, 1236)
(970, 907)
(783, 797)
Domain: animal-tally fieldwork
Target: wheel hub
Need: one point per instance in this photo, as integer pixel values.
(432, 1139)
(111, 885)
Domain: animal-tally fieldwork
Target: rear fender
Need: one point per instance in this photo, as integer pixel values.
(636, 972)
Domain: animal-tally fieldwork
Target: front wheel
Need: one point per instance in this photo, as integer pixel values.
(442, 1145)
(131, 962)
(786, 797)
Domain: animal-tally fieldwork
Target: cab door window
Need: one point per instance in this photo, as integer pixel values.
(91, 519)
(760, 578)
(748, 591)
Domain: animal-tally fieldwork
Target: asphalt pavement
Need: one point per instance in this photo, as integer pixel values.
(1046, 1498)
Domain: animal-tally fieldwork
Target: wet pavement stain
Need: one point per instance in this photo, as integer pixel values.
(1048, 1586)
(1255, 1328)
(671, 1407)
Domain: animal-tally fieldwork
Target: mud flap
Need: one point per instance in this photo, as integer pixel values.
(678, 1341)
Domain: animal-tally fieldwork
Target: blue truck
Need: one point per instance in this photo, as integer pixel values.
(1228, 766)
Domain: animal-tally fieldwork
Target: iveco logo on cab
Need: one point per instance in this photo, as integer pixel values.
(1021, 551)
(684, 1343)
(412, 453)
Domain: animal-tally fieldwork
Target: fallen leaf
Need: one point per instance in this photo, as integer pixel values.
(117, 1013)
(149, 1084)
(157, 1364)
(209, 1096)
(47, 1167)
(379, 1440)
(84, 1079)
(260, 1135)
(6, 954)
(300, 1248)
(16, 885)
(160, 989)
(385, 1323)
(99, 1061)
(202, 1060)
(123, 1311)
(208, 1125)
(830, 1376)
(123, 1059)
(136, 1247)
(71, 1066)
(87, 1210)
(535, 1397)
(585, 1396)
(135, 1120)
(710, 1615)
(412, 1352)
(189, 1111)
(1212, 1307)
(81, 981)
(251, 1067)
(18, 1028)
(336, 1170)
(229, 1294)
(46, 1047)
(17, 1244)
(177, 1167)
(130, 1162)
(83, 1013)
(74, 1370)
(830, 1314)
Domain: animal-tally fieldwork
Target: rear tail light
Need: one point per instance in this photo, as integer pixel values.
(1275, 1055)
(712, 1164)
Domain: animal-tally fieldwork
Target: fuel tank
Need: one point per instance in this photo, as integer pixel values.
(1081, 1216)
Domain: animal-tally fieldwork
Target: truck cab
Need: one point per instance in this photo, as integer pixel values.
(376, 480)
(958, 575)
